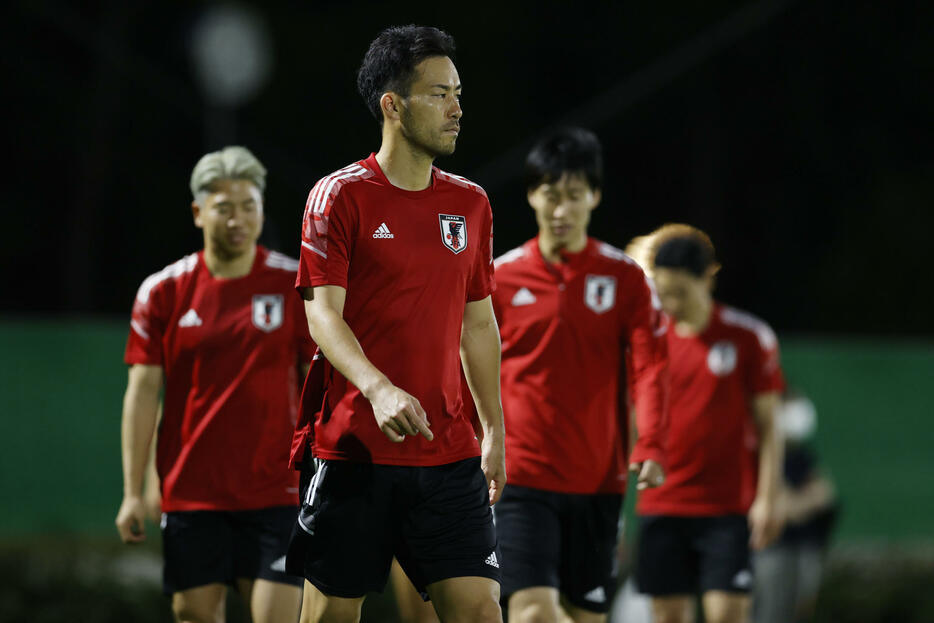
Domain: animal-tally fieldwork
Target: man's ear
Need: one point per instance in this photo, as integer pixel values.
(597, 198)
(390, 103)
(196, 213)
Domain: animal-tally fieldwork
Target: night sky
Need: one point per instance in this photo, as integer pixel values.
(798, 134)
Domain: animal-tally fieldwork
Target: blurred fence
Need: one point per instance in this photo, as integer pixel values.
(62, 382)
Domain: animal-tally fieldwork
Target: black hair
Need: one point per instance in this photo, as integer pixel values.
(688, 253)
(389, 63)
(565, 150)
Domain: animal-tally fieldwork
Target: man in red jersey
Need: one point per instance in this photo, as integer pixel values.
(723, 452)
(396, 271)
(570, 308)
(223, 334)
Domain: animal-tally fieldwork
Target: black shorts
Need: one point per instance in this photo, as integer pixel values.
(356, 516)
(687, 555)
(562, 540)
(208, 547)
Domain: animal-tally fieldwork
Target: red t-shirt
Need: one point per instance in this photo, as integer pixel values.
(410, 261)
(230, 349)
(566, 329)
(712, 441)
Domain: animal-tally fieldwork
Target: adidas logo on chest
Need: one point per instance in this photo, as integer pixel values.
(382, 232)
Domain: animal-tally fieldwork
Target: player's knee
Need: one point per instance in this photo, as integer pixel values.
(333, 611)
(482, 610)
(190, 612)
(671, 615)
(533, 612)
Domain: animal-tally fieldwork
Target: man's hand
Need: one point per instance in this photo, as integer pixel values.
(765, 522)
(130, 520)
(493, 463)
(650, 473)
(399, 414)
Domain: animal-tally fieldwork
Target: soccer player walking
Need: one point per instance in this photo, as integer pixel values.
(396, 272)
(570, 308)
(223, 334)
(723, 451)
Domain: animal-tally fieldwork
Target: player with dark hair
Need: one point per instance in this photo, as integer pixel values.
(396, 271)
(571, 309)
(223, 334)
(724, 454)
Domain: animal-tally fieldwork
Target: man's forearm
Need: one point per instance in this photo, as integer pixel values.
(336, 340)
(770, 449)
(480, 354)
(140, 408)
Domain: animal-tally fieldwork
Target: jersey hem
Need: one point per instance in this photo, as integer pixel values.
(537, 484)
(697, 511)
(207, 506)
(433, 461)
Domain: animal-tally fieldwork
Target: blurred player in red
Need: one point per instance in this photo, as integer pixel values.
(569, 308)
(397, 272)
(223, 334)
(723, 451)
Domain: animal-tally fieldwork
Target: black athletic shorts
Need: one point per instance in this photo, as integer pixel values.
(356, 516)
(687, 555)
(208, 547)
(562, 540)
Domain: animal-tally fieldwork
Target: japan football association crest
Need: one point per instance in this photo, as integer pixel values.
(722, 358)
(453, 231)
(600, 293)
(267, 311)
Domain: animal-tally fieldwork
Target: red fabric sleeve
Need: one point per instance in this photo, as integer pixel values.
(767, 373)
(648, 361)
(327, 242)
(144, 344)
(482, 282)
(306, 346)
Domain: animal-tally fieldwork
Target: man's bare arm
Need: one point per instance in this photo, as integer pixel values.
(480, 354)
(140, 409)
(397, 413)
(765, 517)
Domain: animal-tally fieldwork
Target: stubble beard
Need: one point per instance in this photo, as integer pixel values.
(423, 140)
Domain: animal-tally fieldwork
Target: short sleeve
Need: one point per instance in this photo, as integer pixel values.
(766, 370)
(304, 344)
(147, 322)
(482, 282)
(326, 243)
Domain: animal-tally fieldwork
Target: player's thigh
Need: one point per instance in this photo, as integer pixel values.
(673, 609)
(261, 540)
(274, 602)
(466, 600)
(198, 550)
(318, 607)
(529, 532)
(447, 526)
(725, 558)
(588, 562)
(582, 615)
(204, 604)
(412, 608)
(725, 607)
(346, 529)
(667, 564)
(535, 604)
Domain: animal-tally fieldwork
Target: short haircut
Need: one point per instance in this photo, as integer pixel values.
(389, 64)
(565, 150)
(230, 163)
(677, 246)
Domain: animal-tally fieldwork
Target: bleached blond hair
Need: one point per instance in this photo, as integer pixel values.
(230, 163)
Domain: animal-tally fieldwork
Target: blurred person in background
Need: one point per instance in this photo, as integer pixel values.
(569, 308)
(221, 335)
(788, 572)
(723, 451)
(396, 271)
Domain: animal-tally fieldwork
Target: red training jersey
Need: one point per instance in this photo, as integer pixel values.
(566, 329)
(230, 350)
(712, 442)
(410, 261)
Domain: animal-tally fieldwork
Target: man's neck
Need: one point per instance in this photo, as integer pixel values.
(695, 322)
(404, 165)
(224, 267)
(551, 249)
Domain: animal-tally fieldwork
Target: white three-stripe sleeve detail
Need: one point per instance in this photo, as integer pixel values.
(320, 201)
(139, 329)
(311, 248)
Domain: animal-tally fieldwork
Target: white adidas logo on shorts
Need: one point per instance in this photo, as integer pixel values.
(491, 560)
(382, 232)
